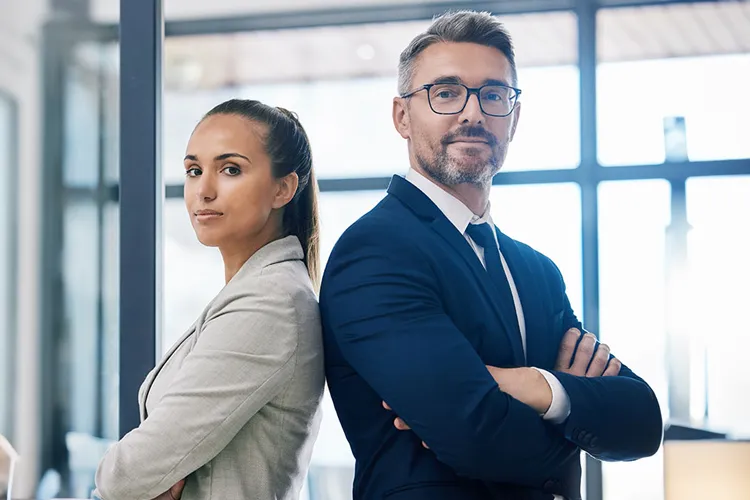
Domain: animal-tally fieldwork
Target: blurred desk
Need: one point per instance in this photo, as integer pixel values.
(707, 469)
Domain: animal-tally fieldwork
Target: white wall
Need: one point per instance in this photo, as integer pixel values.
(20, 77)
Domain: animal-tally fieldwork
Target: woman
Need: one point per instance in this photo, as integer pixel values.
(233, 406)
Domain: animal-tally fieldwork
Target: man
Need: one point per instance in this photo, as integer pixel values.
(465, 337)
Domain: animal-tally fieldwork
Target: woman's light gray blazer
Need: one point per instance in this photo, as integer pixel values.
(234, 405)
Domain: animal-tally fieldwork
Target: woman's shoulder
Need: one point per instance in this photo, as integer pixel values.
(279, 287)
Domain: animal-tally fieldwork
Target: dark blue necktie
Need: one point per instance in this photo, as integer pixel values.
(483, 235)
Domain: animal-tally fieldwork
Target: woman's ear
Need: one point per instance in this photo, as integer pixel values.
(286, 189)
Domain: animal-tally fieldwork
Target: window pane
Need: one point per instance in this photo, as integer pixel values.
(641, 83)
(632, 307)
(719, 246)
(7, 276)
(548, 218)
(550, 116)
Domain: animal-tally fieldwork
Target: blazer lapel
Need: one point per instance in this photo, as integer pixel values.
(531, 299)
(422, 206)
(284, 249)
(143, 393)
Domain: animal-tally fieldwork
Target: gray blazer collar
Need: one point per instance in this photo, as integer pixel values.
(281, 250)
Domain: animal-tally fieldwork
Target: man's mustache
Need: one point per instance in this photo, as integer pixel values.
(478, 132)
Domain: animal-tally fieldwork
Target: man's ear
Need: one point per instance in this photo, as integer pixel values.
(516, 117)
(401, 116)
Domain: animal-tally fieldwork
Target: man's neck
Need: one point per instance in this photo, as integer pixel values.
(473, 196)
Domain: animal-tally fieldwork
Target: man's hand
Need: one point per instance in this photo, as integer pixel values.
(174, 493)
(400, 424)
(589, 360)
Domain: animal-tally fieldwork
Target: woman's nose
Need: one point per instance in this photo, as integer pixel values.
(206, 188)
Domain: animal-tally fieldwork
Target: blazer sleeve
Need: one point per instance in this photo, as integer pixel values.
(242, 359)
(381, 305)
(611, 418)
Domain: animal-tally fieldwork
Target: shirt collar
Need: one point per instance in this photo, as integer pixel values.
(454, 210)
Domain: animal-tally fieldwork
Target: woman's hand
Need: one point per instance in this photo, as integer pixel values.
(174, 493)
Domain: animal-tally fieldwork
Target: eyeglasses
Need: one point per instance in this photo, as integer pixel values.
(451, 98)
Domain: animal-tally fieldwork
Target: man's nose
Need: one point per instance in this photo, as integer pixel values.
(472, 112)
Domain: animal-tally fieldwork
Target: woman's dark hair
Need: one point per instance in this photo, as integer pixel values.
(288, 147)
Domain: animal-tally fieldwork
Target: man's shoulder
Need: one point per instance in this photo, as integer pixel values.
(389, 218)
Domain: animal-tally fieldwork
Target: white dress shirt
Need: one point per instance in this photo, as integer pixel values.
(461, 216)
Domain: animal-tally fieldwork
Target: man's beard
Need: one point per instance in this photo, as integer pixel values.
(450, 171)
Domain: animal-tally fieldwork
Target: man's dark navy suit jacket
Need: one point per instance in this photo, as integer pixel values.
(410, 317)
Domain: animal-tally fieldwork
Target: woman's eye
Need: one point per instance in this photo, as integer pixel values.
(193, 172)
(232, 170)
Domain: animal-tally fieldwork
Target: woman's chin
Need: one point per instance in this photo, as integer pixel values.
(209, 241)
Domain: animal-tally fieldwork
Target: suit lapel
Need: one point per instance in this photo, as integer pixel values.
(505, 312)
(421, 205)
(530, 297)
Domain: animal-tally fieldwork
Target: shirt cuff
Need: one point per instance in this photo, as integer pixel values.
(559, 409)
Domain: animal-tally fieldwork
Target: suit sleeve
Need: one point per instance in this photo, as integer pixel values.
(381, 305)
(242, 359)
(611, 418)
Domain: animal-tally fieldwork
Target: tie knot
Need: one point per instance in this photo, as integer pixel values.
(482, 234)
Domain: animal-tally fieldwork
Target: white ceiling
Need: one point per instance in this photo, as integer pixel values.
(679, 30)
(108, 10)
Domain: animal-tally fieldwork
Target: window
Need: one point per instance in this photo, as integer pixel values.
(718, 250)
(549, 132)
(633, 218)
(548, 218)
(688, 62)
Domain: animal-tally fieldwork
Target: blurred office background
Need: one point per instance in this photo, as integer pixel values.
(630, 169)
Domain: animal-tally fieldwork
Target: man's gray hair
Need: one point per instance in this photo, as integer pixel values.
(460, 26)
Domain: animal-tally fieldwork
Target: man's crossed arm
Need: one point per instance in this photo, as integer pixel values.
(581, 356)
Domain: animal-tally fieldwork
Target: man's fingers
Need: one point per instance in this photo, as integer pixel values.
(599, 363)
(613, 369)
(425, 445)
(385, 405)
(583, 356)
(567, 347)
(400, 424)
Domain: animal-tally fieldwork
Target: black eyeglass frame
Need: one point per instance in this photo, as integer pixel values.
(469, 92)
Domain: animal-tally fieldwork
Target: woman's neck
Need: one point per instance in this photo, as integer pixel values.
(236, 255)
